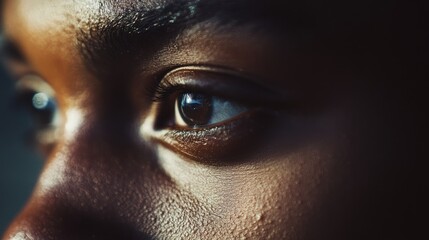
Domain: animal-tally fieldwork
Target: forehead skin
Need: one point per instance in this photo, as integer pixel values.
(103, 180)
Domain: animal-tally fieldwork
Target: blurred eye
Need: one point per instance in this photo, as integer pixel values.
(37, 97)
(199, 110)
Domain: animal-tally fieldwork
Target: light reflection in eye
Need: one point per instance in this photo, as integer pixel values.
(40, 100)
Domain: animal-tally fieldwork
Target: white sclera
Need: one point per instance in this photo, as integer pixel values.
(224, 110)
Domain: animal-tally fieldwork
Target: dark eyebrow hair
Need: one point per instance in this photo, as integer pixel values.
(10, 51)
(106, 40)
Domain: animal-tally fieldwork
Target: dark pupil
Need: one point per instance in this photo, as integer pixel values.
(195, 108)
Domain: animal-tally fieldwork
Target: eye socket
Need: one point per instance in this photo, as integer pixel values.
(199, 110)
(190, 98)
(37, 97)
(209, 115)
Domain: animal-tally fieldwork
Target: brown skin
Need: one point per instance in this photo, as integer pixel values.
(316, 170)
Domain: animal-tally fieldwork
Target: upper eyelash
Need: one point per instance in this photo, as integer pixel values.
(162, 91)
(166, 90)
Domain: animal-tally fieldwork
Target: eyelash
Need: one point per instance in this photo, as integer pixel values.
(174, 85)
(202, 143)
(163, 92)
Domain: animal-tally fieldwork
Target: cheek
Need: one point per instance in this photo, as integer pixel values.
(273, 197)
(283, 198)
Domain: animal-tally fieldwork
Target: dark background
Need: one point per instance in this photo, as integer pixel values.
(19, 163)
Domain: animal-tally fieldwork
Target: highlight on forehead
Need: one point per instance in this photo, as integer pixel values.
(119, 5)
(125, 30)
(117, 18)
(121, 28)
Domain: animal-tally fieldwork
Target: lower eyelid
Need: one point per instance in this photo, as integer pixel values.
(215, 145)
(47, 136)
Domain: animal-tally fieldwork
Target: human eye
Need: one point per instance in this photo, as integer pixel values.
(209, 114)
(193, 109)
(37, 98)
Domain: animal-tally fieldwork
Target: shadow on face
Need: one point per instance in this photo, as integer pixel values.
(217, 119)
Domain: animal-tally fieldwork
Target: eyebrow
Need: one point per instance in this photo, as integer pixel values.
(10, 51)
(109, 40)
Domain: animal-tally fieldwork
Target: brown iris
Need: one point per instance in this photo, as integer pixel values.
(195, 108)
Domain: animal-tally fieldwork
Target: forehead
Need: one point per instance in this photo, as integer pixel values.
(48, 30)
(49, 16)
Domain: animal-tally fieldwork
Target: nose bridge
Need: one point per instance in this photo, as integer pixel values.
(96, 137)
(101, 142)
(89, 178)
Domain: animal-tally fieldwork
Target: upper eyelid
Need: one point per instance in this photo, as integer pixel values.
(34, 83)
(211, 70)
(219, 81)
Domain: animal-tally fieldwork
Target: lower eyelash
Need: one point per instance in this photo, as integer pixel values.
(215, 145)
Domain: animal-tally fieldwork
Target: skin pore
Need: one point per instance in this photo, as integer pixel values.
(294, 152)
